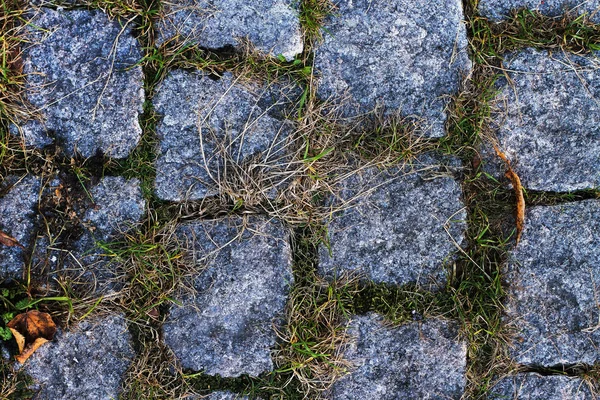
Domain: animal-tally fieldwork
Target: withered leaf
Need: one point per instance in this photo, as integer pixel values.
(518, 188)
(9, 241)
(31, 329)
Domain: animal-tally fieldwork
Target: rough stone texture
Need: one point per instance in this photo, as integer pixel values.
(499, 9)
(85, 363)
(83, 81)
(395, 234)
(548, 121)
(406, 55)
(414, 361)
(272, 26)
(554, 276)
(226, 396)
(205, 123)
(227, 328)
(532, 386)
(17, 219)
(117, 206)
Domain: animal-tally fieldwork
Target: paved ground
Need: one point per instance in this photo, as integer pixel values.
(406, 227)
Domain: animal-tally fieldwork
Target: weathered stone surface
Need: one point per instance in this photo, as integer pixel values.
(415, 361)
(554, 275)
(227, 328)
(405, 55)
(206, 123)
(548, 121)
(226, 396)
(82, 78)
(532, 386)
(85, 363)
(17, 219)
(397, 232)
(272, 26)
(500, 9)
(117, 206)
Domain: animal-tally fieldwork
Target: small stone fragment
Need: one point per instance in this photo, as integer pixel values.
(403, 227)
(227, 327)
(547, 121)
(497, 10)
(415, 361)
(554, 277)
(405, 55)
(83, 79)
(272, 26)
(87, 362)
(531, 386)
(17, 219)
(211, 127)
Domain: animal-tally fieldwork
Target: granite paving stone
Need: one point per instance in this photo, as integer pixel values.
(227, 328)
(554, 277)
(85, 363)
(415, 361)
(548, 121)
(532, 386)
(83, 81)
(498, 10)
(18, 220)
(408, 56)
(404, 224)
(213, 122)
(271, 26)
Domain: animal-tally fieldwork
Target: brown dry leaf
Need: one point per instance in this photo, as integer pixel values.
(518, 188)
(31, 329)
(30, 349)
(9, 241)
(19, 338)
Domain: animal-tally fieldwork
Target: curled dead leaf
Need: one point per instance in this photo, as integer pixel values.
(518, 188)
(31, 329)
(9, 241)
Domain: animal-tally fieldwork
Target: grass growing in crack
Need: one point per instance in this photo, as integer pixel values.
(140, 163)
(315, 335)
(312, 18)
(541, 198)
(390, 140)
(527, 28)
(151, 266)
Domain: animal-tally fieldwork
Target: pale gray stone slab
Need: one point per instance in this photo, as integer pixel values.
(547, 121)
(532, 386)
(87, 362)
(272, 26)
(227, 328)
(415, 361)
(498, 10)
(408, 56)
(553, 278)
(83, 80)
(402, 226)
(206, 122)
